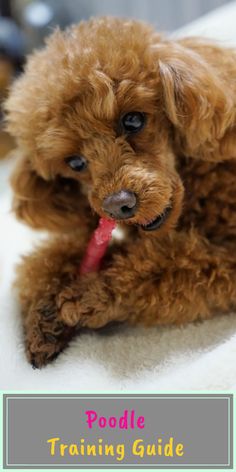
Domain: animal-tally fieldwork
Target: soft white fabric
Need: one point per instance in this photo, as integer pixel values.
(199, 356)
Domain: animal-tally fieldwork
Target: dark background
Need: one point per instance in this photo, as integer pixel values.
(35, 16)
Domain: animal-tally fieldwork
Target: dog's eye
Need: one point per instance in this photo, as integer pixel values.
(76, 163)
(133, 122)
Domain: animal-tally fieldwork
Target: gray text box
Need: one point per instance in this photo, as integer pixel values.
(173, 431)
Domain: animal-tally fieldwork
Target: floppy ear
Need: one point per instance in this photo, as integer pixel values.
(195, 100)
(56, 205)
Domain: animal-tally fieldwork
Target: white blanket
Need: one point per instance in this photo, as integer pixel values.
(200, 356)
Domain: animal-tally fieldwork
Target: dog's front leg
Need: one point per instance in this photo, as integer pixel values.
(40, 278)
(177, 280)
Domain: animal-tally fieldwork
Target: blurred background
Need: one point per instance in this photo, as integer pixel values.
(25, 23)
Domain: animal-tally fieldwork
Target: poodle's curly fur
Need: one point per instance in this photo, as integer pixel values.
(70, 101)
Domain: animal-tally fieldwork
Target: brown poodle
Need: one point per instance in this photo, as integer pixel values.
(112, 119)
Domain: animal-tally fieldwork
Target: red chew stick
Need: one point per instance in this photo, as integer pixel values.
(97, 246)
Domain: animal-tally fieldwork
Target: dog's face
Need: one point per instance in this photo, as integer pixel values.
(101, 104)
(115, 139)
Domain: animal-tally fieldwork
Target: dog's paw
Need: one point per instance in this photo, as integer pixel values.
(86, 304)
(82, 313)
(40, 352)
(46, 335)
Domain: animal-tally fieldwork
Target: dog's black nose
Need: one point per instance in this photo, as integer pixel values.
(120, 205)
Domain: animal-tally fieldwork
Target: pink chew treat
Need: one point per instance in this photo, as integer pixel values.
(97, 246)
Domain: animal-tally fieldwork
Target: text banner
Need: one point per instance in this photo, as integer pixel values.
(109, 431)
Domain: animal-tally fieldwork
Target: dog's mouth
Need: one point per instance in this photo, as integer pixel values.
(157, 222)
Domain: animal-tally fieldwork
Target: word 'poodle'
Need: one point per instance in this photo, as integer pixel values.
(113, 120)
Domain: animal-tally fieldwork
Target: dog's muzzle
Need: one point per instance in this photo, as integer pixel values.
(123, 205)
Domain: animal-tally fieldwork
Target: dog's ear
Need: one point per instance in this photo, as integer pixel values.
(56, 205)
(195, 99)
